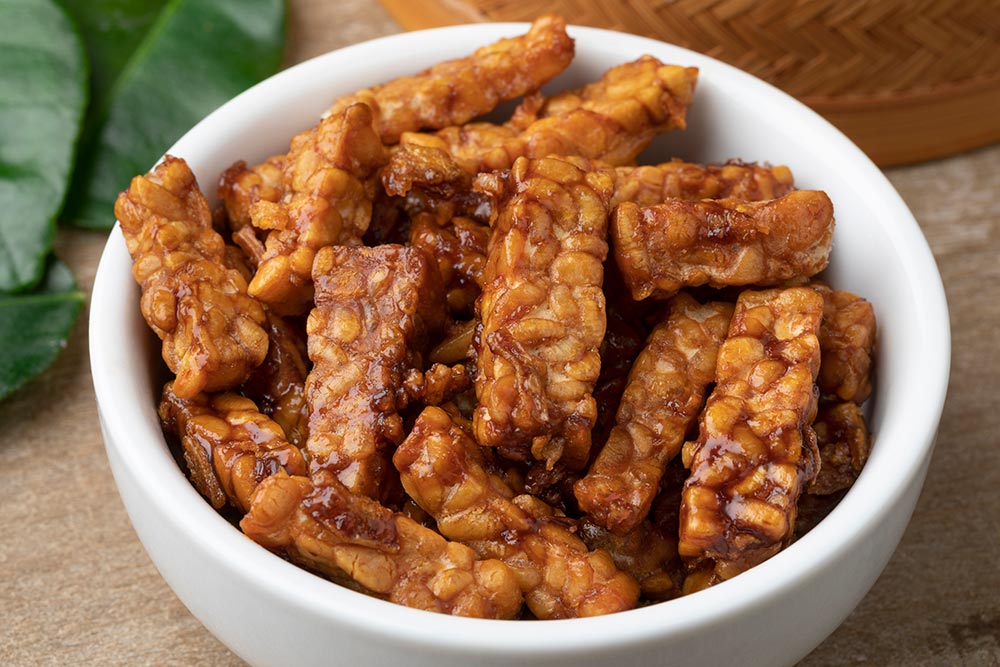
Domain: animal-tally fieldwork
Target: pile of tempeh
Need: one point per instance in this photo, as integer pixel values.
(482, 410)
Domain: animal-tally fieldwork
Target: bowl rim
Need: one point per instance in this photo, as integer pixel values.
(841, 531)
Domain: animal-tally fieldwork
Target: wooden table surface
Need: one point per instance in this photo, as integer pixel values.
(77, 588)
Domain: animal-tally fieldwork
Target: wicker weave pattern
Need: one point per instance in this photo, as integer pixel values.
(813, 49)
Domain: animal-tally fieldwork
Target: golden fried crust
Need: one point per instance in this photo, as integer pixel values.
(278, 384)
(241, 186)
(442, 469)
(212, 332)
(321, 525)
(664, 394)
(542, 309)
(375, 308)
(755, 452)
(612, 120)
(326, 201)
(847, 341)
(459, 247)
(678, 243)
(456, 91)
(229, 446)
(844, 445)
(653, 184)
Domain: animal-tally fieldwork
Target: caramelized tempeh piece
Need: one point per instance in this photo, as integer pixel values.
(240, 187)
(321, 525)
(375, 308)
(211, 330)
(664, 394)
(613, 121)
(755, 452)
(326, 202)
(665, 247)
(847, 342)
(460, 250)
(442, 469)
(844, 444)
(229, 446)
(432, 182)
(456, 91)
(645, 552)
(438, 384)
(278, 384)
(647, 185)
(542, 309)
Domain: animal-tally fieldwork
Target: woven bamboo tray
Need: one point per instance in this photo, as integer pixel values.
(907, 80)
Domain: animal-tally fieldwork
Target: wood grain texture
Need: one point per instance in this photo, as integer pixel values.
(77, 588)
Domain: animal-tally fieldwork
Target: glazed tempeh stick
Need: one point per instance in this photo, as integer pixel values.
(542, 310)
(847, 342)
(375, 308)
(755, 452)
(664, 394)
(278, 384)
(321, 525)
(442, 469)
(326, 202)
(229, 446)
(212, 332)
(678, 243)
(653, 184)
(614, 122)
(844, 444)
(456, 91)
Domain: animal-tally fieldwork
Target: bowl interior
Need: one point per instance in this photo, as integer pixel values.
(879, 253)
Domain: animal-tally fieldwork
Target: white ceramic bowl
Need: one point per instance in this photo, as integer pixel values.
(273, 613)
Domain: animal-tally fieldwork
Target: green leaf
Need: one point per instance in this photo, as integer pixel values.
(197, 55)
(43, 92)
(111, 30)
(34, 326)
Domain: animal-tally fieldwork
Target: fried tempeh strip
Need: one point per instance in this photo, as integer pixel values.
(278, 384)
(442, 469)
(613, 120)
(542, 309)
(241, 186)
(755, 452)
(432, 182)
(229, 446)
(456, 91)
(844, 445)
(678, 243)
(460, 250)
(375, 308)
(647, 185)
(847, 341)
(212, 332)
(645, 552)
(326, 201)
(664, 394)
(321, 525)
